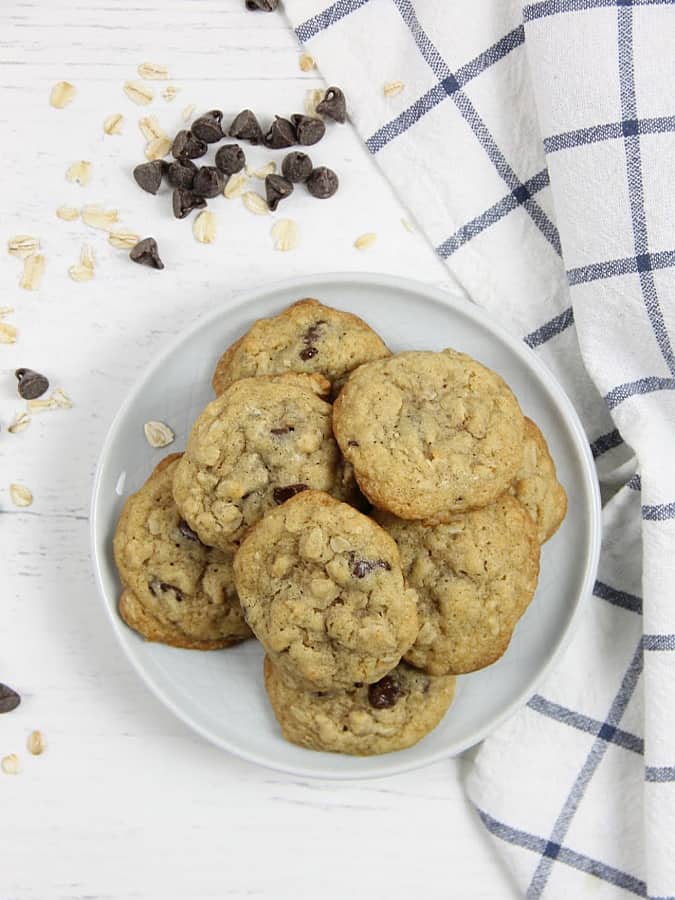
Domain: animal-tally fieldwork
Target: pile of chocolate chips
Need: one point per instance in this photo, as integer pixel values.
(193, 185)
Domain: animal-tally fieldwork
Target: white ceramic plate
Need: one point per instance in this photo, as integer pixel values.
(220, 694)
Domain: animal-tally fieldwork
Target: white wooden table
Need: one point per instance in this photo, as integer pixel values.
(126, 802)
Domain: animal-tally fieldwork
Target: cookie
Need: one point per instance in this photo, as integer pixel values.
(175, 590)
(321, 587)
(537, 487)
(475, 576)
(253, 447)
(394, 713)
(429, 433)
(306, 337)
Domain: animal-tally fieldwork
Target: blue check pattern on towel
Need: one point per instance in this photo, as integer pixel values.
(535, 146)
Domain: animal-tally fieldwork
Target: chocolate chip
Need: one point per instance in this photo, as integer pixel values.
(385, 693)
(209, 182)
(322, 183)
(262, 5)
(187, 146)
(363, 567)
(9, 699)
(31, 384)
(149, 175)
(333, 105)
(313, 333)
(230, 159)
(146, 254)
(182, 173)
(246, 127)
(296, 166)
(308, 353)
(276, 190)
(208, 128)
(281, 134)
(163, 587)
(352, 443)
(185, 201)
(308, 129)
(187, 532)
(287, 429)
(282, 494)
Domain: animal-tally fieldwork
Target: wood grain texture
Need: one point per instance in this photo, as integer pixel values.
(126, 802)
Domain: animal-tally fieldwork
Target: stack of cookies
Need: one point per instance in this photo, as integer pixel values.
(374, 520)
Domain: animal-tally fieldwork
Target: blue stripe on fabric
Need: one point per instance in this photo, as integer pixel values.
(438, 93)
(606, 442)
(554, 7)
(660, 773)
(550, 329)
(609, 131)
(610, 268)
(658, 641)
(633, 388)
(634, 483)
(328, 17)
(659, 512)
(585, 723)
(597, 752)
(563, 854)
(617, 598)
(491, 215)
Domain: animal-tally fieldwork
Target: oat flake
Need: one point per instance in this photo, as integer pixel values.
(255, 203)
(80, 172)
(170, 92)
(158, 147)
(153, 71)
(286, 235)
(36, 743)
(33, 270)
(204, 227)
(10, 764)
(312, 99)
(138, 92)
(84, 270)
(268, 169)
(150, 128)
(306, 62)
(365, 240)
(62, 94)
(57, 400)
(97, 217)
(123, 240)
(20, 495)
(236, 185)
(7, 333)
(158, 434)
(21, 422)
(392, 88)
(187, 112)
(67, 213)
(113, 124)
(23, 245)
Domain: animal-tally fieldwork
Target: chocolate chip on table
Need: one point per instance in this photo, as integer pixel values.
(184, 201)
(182, 173)
(163, 587)
(230, 159)
(262, 5)
(296, 166)
(187, 532)
(276, 190)
(333, 105)
(187, 146)
(31, 384)
(384, 693)
(282, 494)
(208, 128)
(148, 176)
(209, 182)
(245, 127)
(363, 567)
(9, 699)
(145, 253)
(322, 183)
(281, 134)
(308, 129)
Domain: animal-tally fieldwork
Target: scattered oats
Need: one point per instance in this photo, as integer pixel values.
(158, 147)
(139, 93)
(57, 400)
(204, 227)
(392, 88)
(123, 240)
(36, 743)
(10, 764)
(20, 423)
(150, 128)
(97, 217)
(255, 203)
(20, 495)
(153, 71)
(23, 245)
(6, 311)
(286, 235)
(84, 270)
(236, 185)
(170, 92)
(33, 270)
(113, 124)
(158, 434)
(312, 99)
(187, 112)
(306, 62)
(80, 172)
(7, 333)
(62, 94)
(365, 240)
(408, 225)
(268, 169)
(67, 213)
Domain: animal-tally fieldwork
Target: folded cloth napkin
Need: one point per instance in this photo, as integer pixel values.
(534, 145)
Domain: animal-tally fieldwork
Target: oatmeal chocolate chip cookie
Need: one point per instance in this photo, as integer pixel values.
(429, 433)
(394, 713)
(322, 589)
(175, 590)
(536, 484)
(475, 576)
(306, 337)
(262, 441)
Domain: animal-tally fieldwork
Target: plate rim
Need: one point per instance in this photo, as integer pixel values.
(308, 284)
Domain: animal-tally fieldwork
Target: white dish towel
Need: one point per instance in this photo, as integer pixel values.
(534, 144)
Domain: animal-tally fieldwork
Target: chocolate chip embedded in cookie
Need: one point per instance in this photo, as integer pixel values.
(322, 588)
(306, 337)
(175, 590)
(475, 576)
(394, 713)
(429, 433)
(536, 484)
